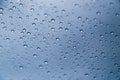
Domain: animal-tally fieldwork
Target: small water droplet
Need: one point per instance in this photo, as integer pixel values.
(34, 55)
(52, 20)
(20, 67)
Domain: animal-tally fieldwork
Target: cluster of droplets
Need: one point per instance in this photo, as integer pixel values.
(59, 40)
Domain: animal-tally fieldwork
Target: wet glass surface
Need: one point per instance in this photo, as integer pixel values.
(59, 40)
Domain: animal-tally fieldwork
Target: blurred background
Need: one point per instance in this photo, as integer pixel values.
(59, 40)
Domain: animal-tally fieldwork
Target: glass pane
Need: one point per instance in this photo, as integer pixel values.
(59, 40)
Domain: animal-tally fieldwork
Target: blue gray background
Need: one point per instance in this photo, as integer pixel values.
(59, 39)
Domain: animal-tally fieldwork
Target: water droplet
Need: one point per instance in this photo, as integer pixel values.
(45, 14)
(28, 33)
(81, 30)
(52, 20)
(20, 67)
(40, 66)
(98, 13)
(86, 74)
(60, 28)
(79, 18)
(34, 55)
(25, 45)
(46, 62)
(1, 9)
(33, 24)
(116, 14)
